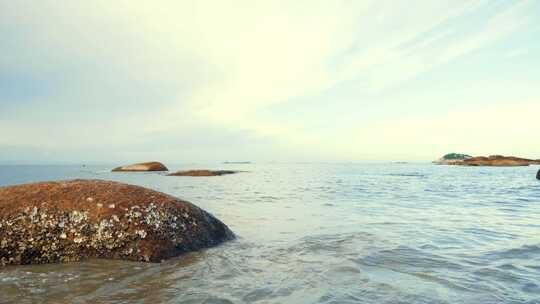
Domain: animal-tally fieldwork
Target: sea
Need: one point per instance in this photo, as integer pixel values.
(319, 233)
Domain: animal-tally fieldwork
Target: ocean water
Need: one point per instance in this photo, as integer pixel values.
(320, 233)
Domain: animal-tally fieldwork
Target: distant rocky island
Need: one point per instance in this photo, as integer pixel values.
(458, 159)
(203, 173)
(157, 166)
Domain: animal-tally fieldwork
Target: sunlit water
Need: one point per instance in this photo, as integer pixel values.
(320, 233)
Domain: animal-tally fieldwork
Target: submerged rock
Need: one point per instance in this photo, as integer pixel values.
(538, 174)
(149, 166)
(71, 220)
(203, 173)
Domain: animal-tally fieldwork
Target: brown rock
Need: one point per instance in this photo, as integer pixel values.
(494, 161)
(72, 220)
(497, 161)
(202, 173)
(149, 166)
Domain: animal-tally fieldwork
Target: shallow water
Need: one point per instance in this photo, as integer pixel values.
(320, 233)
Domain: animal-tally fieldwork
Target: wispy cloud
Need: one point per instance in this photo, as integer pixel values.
(123, 73)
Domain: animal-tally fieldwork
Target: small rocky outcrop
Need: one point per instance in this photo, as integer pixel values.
(492, 160)
(497, 160)
(203, 173)
(538, 175)
(141, 167)
(72, 220)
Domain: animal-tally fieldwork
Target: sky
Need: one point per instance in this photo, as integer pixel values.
(314, 81)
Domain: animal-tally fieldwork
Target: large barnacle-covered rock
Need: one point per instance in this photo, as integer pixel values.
(72, 220)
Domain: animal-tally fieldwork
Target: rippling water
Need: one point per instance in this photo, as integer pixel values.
(320, 233)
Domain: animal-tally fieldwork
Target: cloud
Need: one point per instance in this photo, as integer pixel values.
(151, 76)
(434, 40)
(498, 128)
(517, 53)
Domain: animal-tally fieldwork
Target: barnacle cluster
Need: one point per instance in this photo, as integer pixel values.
(44, 235)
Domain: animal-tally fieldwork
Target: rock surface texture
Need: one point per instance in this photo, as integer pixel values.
(150, 166)
(202, 173)
(492, 160)
(71, 220)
